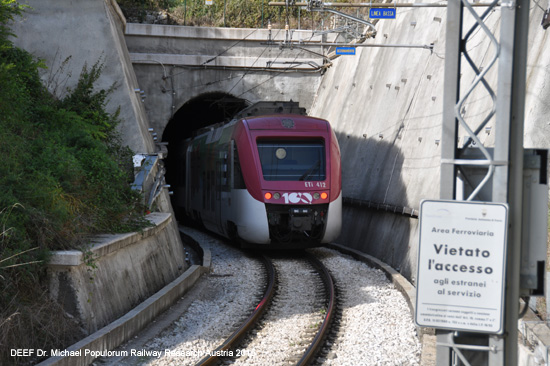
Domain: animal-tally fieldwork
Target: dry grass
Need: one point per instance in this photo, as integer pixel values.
(37, 324)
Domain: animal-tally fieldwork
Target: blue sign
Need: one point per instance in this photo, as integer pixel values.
(382, 13)
(345, 50)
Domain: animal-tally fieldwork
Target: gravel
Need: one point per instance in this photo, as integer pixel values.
(228, 294)
(290, 320)
(376, 326)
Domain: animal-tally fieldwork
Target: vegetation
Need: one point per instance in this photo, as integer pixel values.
(228, 13)
(62, 178)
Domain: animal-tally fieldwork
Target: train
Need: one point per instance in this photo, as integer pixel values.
(270, 177)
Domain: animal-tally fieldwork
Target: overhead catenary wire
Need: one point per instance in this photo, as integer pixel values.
(272, 77)
(250, 68)
(268, 79)
(227, 49)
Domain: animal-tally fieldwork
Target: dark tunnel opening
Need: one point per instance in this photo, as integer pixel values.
(199, 112)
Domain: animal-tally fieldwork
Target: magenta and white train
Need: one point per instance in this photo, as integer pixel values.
(271, 180)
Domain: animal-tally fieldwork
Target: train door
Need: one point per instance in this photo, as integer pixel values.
(209, 202)
(221, 187)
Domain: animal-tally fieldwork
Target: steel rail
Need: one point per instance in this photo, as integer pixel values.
(249, 323)
(318, 340)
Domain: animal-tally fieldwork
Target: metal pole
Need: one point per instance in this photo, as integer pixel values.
(332, 44)
(519, 15)
(346, 16)
(381, 5)
(447, 188)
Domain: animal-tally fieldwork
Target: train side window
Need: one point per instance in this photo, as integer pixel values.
(238, 180)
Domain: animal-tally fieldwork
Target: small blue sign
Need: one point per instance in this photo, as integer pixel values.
(382, 13)
(345, 50)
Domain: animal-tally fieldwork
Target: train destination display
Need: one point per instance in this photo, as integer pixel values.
(461, 262)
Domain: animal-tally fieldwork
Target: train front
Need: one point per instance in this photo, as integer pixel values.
(294, 170)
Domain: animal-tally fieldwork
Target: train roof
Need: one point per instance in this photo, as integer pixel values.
(268, 108)
(286, 121)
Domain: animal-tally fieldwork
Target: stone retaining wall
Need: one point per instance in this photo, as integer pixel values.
(117, 272)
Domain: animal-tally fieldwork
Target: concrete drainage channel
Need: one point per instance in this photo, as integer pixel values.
(121, 330)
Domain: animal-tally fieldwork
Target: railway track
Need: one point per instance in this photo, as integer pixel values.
(292, 329)
(228, 346)
(300, 280)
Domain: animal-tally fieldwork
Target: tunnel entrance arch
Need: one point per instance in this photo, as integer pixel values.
(199, 112)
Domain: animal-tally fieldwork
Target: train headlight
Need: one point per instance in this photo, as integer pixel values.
(324, 195)
(277, 195)
(268, 195)
(316, 195)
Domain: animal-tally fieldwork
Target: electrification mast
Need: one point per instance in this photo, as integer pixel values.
(503, 165)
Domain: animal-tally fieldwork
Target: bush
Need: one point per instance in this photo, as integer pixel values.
(63, 179)
(238, 13)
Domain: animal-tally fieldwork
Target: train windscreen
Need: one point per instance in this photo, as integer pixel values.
(292, 160)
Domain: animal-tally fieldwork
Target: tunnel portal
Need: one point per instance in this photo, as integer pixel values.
(199, 112)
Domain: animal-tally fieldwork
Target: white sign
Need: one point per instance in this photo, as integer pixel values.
(209, 2)
(461, 262)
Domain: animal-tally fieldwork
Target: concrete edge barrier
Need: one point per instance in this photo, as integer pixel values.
(406, 288)
(105, 244)
(121, 330)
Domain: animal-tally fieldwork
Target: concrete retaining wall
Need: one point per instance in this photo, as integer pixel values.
(117, 272)
(127, 326)
(386, 107)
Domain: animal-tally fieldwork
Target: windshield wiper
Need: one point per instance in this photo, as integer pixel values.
(310, 170)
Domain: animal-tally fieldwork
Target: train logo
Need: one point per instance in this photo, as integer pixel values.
(298, 198)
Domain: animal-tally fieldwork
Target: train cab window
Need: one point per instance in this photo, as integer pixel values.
(292, 160)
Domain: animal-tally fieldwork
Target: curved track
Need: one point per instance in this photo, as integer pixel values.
(314, 333)
(324, 329)
(250, 322)
(293, 329)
